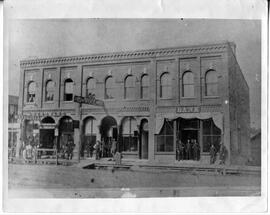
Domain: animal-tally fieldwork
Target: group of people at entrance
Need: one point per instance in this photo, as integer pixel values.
(187, 151)
(191, 151)
(101, 148)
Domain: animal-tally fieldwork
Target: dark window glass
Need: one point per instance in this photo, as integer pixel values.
(31, 92)
(68, 90)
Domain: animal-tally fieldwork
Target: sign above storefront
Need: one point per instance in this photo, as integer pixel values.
(188, 109)
(91, 100)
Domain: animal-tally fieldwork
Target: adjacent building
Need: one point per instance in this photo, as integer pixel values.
(13, 125)
(152, 99)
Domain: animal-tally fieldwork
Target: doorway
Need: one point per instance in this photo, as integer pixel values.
(144, 139)
(108, 131)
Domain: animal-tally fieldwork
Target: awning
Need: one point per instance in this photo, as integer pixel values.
(217, 118)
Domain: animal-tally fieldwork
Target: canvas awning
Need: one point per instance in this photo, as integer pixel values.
(217, 118)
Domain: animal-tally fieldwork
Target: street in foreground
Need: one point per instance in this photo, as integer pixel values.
(35, 181)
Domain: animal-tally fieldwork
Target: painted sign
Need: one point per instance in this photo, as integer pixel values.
(91, 100)
(188, 109)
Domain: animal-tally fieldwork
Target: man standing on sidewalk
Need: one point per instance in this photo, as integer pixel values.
(212, 154)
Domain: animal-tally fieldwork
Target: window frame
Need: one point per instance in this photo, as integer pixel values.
(144, 88)
(46, 91)
(189, 84)
(211, 84)
(164, 136)
(86, 85)
(129, 88)
(161, 86)
(106, 88)
(28, 93)
(211, 134)
(67, 81)
(129, 135)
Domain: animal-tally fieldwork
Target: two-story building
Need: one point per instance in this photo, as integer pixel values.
(152, 99)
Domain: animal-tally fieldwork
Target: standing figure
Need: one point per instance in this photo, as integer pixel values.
(113, 147)
(91, 149)
(195, 148)
(177, 151)
(212, 154)
(181, 150)
(222, 154)
(97, 148)
(188, 149)
(70, 147)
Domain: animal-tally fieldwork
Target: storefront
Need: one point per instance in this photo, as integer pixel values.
(202, 128)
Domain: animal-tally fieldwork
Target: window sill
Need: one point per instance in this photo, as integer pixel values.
(211, 97)
(48, 102)
(165, 99)
(67, 102)
(30, 103)
(188, 98)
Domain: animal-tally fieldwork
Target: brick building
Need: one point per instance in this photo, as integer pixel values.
(152, 99)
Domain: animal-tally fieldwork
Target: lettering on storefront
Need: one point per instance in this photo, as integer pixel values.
(188, 109)
(40, 115)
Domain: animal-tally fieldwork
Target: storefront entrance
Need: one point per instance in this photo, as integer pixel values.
(66, 137)
(109, 132)
(188, 131)
(47, 127)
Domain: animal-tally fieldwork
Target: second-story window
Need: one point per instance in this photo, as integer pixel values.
(90, 86)
(109, 88)
(188, 84)
(68, 91)
(49, 91)
(129, 87)
(211, 83)
(31, 92)
(145, 86)
(165, 85)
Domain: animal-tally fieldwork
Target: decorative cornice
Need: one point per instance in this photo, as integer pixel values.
(114, 56)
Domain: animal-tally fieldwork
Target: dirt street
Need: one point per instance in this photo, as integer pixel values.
(27, 177)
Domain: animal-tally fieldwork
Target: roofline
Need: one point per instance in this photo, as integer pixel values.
(123, 55)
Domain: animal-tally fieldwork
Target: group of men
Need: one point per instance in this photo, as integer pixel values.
(191, 151)
(105, 150)
(188, 151)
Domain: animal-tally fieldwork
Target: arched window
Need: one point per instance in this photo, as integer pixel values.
(68, 91)
(89, 126)
(188, 84)
(129, 87)
(165, 85)
(144, 86)
(211, 83)
(130, 134)
(90, 86)
(31, 91)
(109, 88)
(49, 90)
